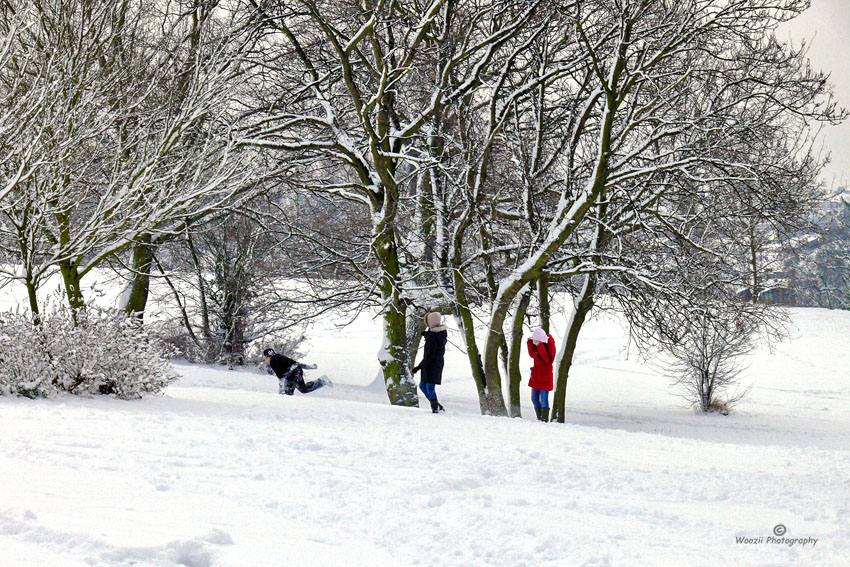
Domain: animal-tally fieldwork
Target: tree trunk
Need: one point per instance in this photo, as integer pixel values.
(467, 328)
(704, 392)
(206, 331)
(140, 286)
(534, 265)
(33, 298)
(504, 354)
(583, 305)
(29, 281)
(543, 298)
(71, 279)
(401, 389)
(415, 326)
(494, 401)
(754, 266)
(514, 374)
(564, 360)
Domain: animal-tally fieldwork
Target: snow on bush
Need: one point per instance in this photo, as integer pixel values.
(104, 353)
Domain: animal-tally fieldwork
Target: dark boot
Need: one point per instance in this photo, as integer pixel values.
(537, 412)
(435, 406)
(544, 415)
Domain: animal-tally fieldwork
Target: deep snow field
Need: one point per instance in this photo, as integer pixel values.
(222, 471)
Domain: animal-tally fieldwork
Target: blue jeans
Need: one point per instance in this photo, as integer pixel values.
(430, 390)
(540, 398)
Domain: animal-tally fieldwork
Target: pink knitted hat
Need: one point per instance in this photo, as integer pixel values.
(433, 319)
(540, 335)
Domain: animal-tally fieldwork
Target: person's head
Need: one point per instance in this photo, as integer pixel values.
(539, 336)
(433, 319)
(268, 353)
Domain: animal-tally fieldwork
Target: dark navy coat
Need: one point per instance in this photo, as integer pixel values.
(435, 349)
(282, 365)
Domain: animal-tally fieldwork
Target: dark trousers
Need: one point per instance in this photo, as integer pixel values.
(295, 379)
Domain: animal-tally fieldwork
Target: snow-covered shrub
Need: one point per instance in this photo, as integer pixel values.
(24, 368)
(103, 353)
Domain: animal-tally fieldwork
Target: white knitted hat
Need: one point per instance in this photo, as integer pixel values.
(540, 335)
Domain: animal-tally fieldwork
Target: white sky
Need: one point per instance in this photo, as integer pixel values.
(826, 26)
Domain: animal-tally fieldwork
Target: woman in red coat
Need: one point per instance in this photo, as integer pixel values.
(541, 348)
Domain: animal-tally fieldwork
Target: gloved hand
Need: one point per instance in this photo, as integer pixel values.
(415, 369)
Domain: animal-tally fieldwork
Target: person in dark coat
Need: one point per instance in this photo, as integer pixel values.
(541, 348)
(290, 374)
(432, 361)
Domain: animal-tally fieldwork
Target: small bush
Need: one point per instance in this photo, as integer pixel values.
(103, 353)
(173, 334)
(720, 406)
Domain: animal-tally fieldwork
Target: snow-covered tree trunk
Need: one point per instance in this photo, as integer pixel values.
(517, 350)
(198, 13)
(72, 281)
(563, 229)
(401, 389)
(543, 300)
(569, 217)
(466, 322)
(415, 327)
(490, 397)
(141, 262)
(582, 306)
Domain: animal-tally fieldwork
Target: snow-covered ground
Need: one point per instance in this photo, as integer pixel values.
(221, 471)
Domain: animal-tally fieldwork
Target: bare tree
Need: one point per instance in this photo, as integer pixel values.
(667, 86)
(116, 163)
(350, 89)
(201, 35)
(706, 354)
(530, 158)
(225, 277)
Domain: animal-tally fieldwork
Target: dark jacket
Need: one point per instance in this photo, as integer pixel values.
(432, 361)
(282, 365)
(543, 355)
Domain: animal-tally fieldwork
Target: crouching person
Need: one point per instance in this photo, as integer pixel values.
(432, 361)
(290, 374)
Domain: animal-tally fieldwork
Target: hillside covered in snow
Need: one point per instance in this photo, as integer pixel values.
(221, 471)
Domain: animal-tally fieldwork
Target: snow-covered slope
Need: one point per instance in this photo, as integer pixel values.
(221, 471)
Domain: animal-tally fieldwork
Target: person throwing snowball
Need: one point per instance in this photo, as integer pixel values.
(290, 374)
(541, 347)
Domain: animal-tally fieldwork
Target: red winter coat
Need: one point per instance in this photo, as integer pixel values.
(544, 356)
